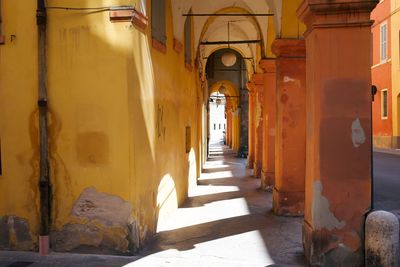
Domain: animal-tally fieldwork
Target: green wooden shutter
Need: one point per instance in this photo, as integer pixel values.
(158, 25)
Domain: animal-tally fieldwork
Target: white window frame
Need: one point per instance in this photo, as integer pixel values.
(383, 42)
(382, 104)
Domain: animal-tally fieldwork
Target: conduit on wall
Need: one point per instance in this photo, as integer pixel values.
(44, 184)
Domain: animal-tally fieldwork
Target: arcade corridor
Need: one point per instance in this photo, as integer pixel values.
(227, 221)
(108, 147)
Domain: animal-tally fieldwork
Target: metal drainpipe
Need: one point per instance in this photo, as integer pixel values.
(44, 184)
(374, 90)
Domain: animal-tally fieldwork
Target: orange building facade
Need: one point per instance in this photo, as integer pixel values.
(381, 70)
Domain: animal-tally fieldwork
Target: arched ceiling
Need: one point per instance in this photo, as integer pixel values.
(208, 29)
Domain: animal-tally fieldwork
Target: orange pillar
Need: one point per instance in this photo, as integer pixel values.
(338, 181)
(250, 155)
(269, 111)
(230, 128)
(227, 125)
(258, 80)
(290, 143)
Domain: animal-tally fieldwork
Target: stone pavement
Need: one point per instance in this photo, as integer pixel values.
(226, 221)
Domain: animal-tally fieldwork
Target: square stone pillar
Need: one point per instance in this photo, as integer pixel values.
(269, 117)
(338, 168)
(258, 80)
(290, 143)
(250, 155)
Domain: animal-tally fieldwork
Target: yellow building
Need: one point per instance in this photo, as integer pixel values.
(117, 125)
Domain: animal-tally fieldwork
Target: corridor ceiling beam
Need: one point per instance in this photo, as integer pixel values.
(229, 15)
(231, 42)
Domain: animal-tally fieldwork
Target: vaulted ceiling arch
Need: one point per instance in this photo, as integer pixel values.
(180, 7)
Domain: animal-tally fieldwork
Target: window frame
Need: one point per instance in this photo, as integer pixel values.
(383, 115)
(383, 45)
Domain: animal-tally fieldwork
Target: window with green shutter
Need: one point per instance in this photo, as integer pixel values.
(188, 40)
(158, 27)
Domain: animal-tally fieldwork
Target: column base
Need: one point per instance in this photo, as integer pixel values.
(250, 164)
(288, 203)
(327, 248)
(267, 179)
(257, 170)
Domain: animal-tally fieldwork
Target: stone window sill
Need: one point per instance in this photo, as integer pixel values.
(157, 45)
(189, 66)
(138, 19)
(178, 46)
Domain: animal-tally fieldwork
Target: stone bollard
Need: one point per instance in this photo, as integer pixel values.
(382, 239)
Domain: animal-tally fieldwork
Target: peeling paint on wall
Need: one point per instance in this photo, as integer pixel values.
(357, 133)
(100, 222)
(112, 211)
(321, 214)
(287, 79)
(258, 113)
(14, 234)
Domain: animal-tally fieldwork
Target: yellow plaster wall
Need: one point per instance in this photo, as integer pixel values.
(18, 127)
(118, 113)
(270, 38)
(395, 30)
(291, 26)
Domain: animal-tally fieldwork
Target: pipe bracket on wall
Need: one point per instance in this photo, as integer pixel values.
(42, 102)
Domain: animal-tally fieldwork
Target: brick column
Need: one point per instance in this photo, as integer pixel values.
(269, 111)
(288, 194)
(338, 180)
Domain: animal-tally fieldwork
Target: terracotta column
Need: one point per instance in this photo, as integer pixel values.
(234, 144)
(236, 129)
(250, 155)
(230, 128)
(338, 180)
(227, 131)
(290, 143)
(258, 80)
(269, 111)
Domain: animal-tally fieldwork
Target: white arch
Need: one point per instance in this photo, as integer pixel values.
(180, 7)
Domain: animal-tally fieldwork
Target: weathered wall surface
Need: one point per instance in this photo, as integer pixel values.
(118, 113)
(18, 128)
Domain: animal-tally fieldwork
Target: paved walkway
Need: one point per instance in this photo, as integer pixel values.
(227, 221)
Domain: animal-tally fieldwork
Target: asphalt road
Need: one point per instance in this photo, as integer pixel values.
(387, 182)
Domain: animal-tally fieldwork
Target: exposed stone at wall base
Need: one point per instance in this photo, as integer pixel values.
(14, 234)
(288, 203)
(100, 223)
(92, 238)
(267, 180)
(386, 141)
(326, 249)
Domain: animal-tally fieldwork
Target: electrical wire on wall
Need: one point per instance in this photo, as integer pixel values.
(95, 9)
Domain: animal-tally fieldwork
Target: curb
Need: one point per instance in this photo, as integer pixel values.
(391, 151)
